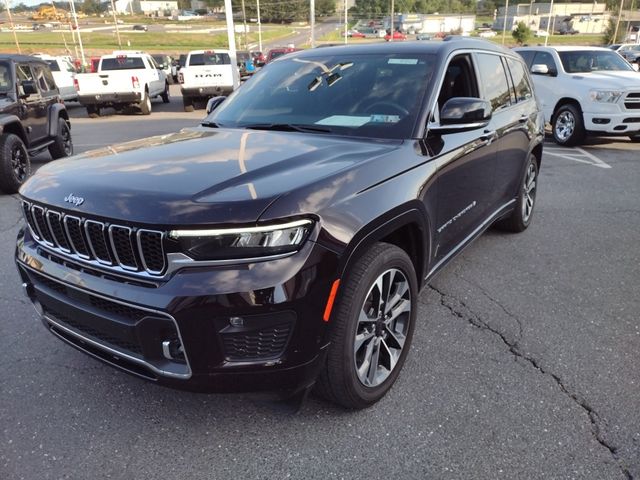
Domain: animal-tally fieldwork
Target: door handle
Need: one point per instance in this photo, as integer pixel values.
(488, 135)
(523, 119)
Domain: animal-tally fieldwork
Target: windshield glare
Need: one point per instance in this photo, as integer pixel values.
(6, 84)
(593, 61)
(375, 96)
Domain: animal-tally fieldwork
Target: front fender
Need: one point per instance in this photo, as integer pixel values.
(57, 111)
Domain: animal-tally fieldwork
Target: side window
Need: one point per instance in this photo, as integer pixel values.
(545, 58)
(527, 55)
(494, 80)
(23, 72)
(152, 62)
(459, 80)
(520, 81)
(44, 79)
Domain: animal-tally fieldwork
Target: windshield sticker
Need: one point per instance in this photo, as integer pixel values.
(403, 61)
(344, 121)
(385, 118)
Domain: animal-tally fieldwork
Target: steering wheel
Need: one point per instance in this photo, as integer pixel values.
(385, 103)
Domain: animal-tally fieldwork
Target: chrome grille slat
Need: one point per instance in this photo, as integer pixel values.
(119, 247)
(632, 101)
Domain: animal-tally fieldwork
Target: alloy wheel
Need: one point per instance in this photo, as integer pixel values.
(67, 142)
(529, 192)
(19, 163)
(382, 329)
(565, 125)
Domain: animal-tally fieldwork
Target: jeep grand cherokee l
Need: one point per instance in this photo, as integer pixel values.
(282, 244)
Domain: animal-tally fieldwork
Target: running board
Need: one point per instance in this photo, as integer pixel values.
(40, 148)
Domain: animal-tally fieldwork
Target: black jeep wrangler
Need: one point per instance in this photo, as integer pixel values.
(32, 118)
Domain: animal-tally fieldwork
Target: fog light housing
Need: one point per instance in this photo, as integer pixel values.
(173, 350)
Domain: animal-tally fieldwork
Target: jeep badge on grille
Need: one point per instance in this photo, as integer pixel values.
(71, 198)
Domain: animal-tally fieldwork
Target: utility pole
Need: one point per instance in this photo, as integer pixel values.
(244, 23)
(259, 28)
(546, 39)
(615, 34)
(231, 36)
(392, 30)
(504, 23)
(345, 22)
(75, 19)
(629, 21)
(312, 21)
(15, 35)
(115, 22)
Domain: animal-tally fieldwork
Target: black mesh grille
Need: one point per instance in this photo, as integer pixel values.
(43, 229)
(95, 233)
(261, 344)
(117, 308)
(74, 229)
(57, 229)
(151, 249)
(121, 243)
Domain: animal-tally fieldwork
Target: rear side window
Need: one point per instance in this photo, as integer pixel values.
(44, 78)
(122, 63)
(520, 80)
(200, 59)
(53, 65)
(494, 80)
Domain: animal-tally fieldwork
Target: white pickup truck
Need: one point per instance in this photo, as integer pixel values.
(206, 74)
(585, 91)
(123, 79)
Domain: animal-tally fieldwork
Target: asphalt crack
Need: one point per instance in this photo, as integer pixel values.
(449, 302)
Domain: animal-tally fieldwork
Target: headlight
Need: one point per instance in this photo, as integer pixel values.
(605, 96)
(249, 242)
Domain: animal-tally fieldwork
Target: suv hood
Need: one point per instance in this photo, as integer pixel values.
(196, 176)
(611, 79)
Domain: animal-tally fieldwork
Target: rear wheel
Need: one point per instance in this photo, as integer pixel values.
(93, 111)
(187, 103)
(62, 145)
(373, 325)
(165, 95)
(521, 216)
(145, 104)
(568, 126)
(15, 165)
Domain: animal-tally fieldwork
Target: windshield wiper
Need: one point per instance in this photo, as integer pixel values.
(210, 124)
(288, 127)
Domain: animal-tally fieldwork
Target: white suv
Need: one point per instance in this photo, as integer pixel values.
(585, 91)
(206, 74)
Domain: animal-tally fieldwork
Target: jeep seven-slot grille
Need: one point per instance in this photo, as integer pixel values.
(135, 250)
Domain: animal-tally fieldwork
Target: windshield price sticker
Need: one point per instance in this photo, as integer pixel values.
(402, 61)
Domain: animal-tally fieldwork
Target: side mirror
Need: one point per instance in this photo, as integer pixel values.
(542, 69)
(214, 103)
(161, 66)
(27, 88)
(463, 113)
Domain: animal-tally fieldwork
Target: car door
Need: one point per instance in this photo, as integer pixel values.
(465, 163)
(156, 77)
(510, 122)
(33, 113)
(546, 85)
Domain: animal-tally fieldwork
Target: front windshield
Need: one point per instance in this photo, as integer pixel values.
(584, 61)
(377, 95)
(6, 83)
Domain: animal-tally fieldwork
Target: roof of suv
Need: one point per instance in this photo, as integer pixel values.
(567, 48)
(19, 58)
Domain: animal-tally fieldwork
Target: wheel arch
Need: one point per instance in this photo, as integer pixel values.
(11, 124)
(57, 111)
(406, 227)
(562, 102)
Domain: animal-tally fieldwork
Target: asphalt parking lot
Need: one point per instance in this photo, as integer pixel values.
(524, 363)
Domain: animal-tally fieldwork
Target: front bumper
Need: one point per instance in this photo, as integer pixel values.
(612, 120)
(110, 98)
(241, 328)
(202, 92)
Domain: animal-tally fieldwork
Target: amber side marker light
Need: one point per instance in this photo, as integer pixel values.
(332, 297)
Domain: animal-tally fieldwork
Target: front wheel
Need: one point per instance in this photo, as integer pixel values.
(15, 165)
(165, 95)
(568, 126)
(521, 216)
(62, 145)
(373, 324)
(145, 104)
(93, 111)
(187, 103)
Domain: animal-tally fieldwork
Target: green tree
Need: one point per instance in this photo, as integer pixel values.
(521, 33)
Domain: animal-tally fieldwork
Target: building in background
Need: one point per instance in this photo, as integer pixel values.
(563, 17)
(152, 8)
(435, 23)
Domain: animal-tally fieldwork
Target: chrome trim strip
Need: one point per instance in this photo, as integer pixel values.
(86, 231)
(141, 251)
(133, 268)
(227, 231)
(48, 215)
(37, 224)
(76, 252)
(464, 242)
(112, 350)
(26, 219)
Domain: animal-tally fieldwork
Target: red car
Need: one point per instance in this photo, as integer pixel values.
(278, 52)
(354, 34)
(396, 36)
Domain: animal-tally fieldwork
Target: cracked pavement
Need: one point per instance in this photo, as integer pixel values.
(524, 365)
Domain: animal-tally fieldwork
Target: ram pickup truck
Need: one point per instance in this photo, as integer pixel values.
(123, 80)
(585, 91)
(206, 74)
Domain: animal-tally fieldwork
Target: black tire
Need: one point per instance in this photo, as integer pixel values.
(62, 145)
(93, 111)
(339, 380)
(15, 164)
(187, 103)
(521, 217)
(635, 138)
(145, 104)
(568, 126)
(165, 95)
